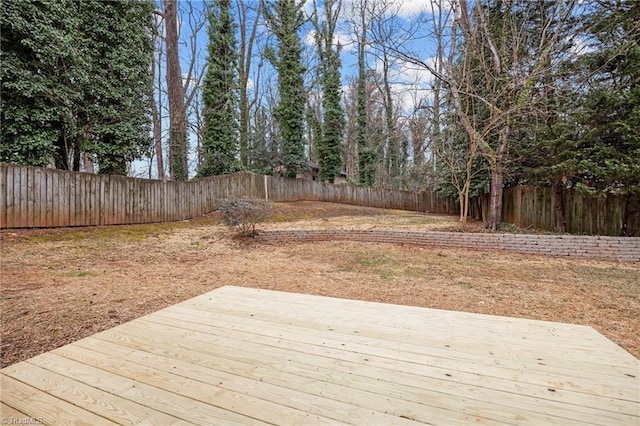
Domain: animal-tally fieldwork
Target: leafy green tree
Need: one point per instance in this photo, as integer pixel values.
(610, 114)
(329, 143)
(582, 132)
(285, 18)
(75, 79)
(219, 94)
(367, 155)
(115, 117)
(611, 108)
(262, 155)
(40, 56)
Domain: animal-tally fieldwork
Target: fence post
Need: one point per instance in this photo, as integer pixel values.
(266, 188)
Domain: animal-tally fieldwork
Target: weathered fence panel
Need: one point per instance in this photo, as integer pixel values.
(38, 197)
(604, 214)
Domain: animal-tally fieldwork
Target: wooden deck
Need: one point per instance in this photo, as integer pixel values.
(246, 356)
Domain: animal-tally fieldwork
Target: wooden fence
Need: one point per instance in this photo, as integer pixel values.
(32, 197)
(286, 189)
(604, 214)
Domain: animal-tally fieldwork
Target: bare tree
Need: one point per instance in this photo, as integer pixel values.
(383, 26)
(496, 71)
(178, 151)
(181, 88)
(157, 100)
(248, 33)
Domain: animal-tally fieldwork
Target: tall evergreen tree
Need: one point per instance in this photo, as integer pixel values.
(328, 149)
(610, 115)
(40, 56)
(366, 153)
(117, 109)
(285, 17)
(219, 94)
(611, 109)
(75, 80)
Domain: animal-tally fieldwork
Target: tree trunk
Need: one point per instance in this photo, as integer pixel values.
(244, 68)
(365, 157)
(157, 118)
(177, 109)
(561, 220)
(61, 156)
(497, 181)
(464, 204)
(631, 216)
(76, 156)
(495, 206)
(157, 140)
(392, 147)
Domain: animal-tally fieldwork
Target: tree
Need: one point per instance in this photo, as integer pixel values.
(285, 18)
(329, 142)
(219, 94)
(178, 148)
(114, 120)
(40, 57)
(248, 35)
(75, 81)
(611, 109)
(503, 63)
(157, 100)
(383, 26)
(366, 154)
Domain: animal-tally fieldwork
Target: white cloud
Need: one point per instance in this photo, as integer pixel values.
(408, 98)
(407, 73)
(410, 8)
(410, 83)
(345, 40)
(410, 73)
(403, 8)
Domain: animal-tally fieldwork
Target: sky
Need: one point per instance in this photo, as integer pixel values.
(410, 83)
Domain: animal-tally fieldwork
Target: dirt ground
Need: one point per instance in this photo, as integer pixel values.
(60, 285)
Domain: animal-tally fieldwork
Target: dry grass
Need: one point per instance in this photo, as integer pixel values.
(61, 285)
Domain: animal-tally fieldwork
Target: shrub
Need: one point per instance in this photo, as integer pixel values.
(242, 215)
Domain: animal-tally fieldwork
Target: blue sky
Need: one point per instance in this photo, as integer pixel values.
(409, 83)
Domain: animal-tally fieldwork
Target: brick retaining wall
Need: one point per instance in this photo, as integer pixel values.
(610, 248)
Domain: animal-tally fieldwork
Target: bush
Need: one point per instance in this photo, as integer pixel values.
(242, 215)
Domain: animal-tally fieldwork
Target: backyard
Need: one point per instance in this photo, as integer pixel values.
(59, 285)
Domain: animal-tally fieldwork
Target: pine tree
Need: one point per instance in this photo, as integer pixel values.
(219, 94)
(611, 114)
(285, 17)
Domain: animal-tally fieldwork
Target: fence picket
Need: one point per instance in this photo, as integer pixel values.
(3, 195)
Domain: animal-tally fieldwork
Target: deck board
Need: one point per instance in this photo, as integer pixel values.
(246, 356)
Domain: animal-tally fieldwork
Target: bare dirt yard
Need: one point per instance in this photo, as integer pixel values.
(60, 285)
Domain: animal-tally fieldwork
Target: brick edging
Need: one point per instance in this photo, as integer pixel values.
(596, 247)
